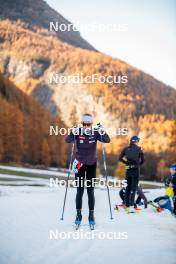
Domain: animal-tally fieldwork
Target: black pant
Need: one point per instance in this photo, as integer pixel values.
(88, 172)
(132, 177)
(141, 196)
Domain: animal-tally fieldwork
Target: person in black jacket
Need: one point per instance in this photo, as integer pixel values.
(140, 193)
(84, 165)
(133, 157)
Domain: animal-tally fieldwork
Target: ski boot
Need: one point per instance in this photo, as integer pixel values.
(78, 218)
(91, 219)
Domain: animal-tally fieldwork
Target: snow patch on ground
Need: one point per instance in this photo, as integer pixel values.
(29, 213)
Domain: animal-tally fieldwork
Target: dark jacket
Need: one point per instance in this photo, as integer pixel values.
(170, 179)
(174, 181)
(133, 154)
(86, 146)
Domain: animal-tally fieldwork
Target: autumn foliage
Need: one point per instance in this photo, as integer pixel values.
(24, 130)
(145, 106)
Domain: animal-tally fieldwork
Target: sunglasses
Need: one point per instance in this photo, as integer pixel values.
(87, 124)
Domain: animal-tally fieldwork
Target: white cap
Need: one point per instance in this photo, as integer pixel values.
(87, 118)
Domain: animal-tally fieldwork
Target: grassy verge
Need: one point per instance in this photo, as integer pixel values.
(21, 173)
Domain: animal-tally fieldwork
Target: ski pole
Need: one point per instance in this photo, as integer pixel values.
(68, 176)
(105, 169)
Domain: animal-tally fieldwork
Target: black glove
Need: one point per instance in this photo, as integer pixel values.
(100, 129)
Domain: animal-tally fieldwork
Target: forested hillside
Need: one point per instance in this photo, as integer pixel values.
(30, 56)
(24, 130)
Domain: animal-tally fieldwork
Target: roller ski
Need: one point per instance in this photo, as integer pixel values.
(158, 209)
(127, 209)
(133, 209)
(130, 210)
(118, 206)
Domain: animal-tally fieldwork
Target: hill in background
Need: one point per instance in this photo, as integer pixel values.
(24, 126)
(38, 14)
(30, 55)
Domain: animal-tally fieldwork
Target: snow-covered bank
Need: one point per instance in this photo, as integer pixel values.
(28, 214)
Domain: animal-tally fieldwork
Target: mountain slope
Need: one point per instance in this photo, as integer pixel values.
(144, 105)
(40, 14)
(31, 59)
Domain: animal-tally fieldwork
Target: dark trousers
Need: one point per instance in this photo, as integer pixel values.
(87, 172)
(141, 196)
(132, 177)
